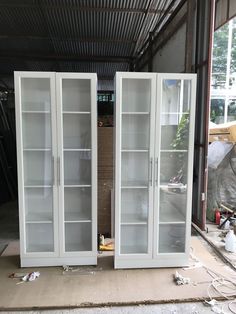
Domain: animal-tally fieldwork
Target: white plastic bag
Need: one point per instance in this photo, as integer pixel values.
(230, 242)
(216, 153)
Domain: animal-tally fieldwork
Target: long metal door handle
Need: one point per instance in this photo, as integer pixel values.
(59, 170)
(150, 172)
(53, 171)
(156, 172)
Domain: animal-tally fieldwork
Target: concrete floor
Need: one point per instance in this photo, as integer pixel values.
(9, 231)
(180, 308)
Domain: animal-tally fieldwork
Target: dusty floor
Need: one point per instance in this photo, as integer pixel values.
(180, 308)
(106, 286)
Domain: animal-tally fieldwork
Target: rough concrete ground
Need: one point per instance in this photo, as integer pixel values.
(180, 308)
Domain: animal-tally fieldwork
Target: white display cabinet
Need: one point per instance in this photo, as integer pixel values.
(154, 136)
(56, 123)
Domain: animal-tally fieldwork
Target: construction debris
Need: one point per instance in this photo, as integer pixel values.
(180, 280)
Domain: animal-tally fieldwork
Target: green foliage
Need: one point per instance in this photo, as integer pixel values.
(181, 139)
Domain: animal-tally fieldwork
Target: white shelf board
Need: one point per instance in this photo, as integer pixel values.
(134, 150)
(76, 112)
(39, 221)
(135, 112)
(37, 149)
(77, 149)
(173, 150)
(36, 111)
(175, 113)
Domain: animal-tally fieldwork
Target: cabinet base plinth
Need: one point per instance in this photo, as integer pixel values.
(151, 263)
(55, 261)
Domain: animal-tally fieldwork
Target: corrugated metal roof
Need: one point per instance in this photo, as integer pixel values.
(100, 36)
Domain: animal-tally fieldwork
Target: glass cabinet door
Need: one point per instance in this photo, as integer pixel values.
(173, 149)
(76, 157)
(136, 164)
(37, 95)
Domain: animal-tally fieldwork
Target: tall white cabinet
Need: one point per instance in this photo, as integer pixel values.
(154, 136)
(56, 123)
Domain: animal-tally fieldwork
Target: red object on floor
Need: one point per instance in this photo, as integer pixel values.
(217, 216)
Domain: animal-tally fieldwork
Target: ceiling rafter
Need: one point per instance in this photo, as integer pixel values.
(71, 58)
(68, 39)
(82, 8)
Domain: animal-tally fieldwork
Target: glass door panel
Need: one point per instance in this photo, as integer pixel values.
(37, 163)
(35, 94)
(173, 159)
(135, 131)
(76, 95)
(77, 164)
(134, 206)
(134, 239)
(172, 238)
(135, 190)
(77, 131)
(136, 95)
(131, 172)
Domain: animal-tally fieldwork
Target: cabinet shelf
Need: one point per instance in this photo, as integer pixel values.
(174, 151)
(73, 216)
(39, 217)
(77, 149)
(37, 149)
(36, 111)
(175, 113)
(39, 221)
(74, 185)
(136, 112)
(133, 219)
(76, 112)
(134, 150)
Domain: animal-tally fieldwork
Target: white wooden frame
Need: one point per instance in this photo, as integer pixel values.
(154, 258)
(58, 257)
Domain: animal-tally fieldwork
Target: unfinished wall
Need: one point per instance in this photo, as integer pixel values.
(224, 11)
(171, 58)
(105, 178)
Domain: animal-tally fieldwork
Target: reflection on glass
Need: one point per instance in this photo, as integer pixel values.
(77, 131)
(134, 169)
(77, 168)
(35, 94)
(37, 168)
(172, 205)
(39, 204)
(135, 131)
(136, 95)
(134, 239)
(36, 130)
(77, 203)
(78, 236)
(134, 205)
(76, 95)
(172, 238)
(173, 168)
(39, 237)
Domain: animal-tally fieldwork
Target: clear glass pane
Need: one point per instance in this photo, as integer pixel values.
(35, 94)
(136, 95)
(131, 172)
(78, 236)
(39, 237)
(134, 205)
(173, 204)
(77, 202)
(39, 204)
(172, 238)
(76, 94)
(173, 168)
(37, 168)
(77, 131)
(36, 129)
(77, 168)
(134, 239)
(135, 131)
